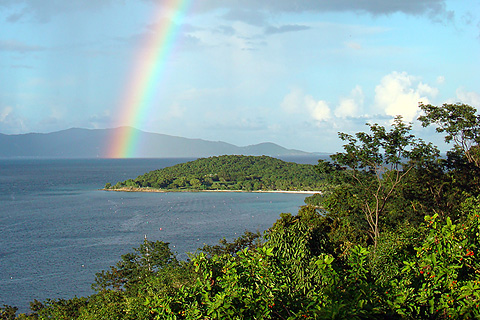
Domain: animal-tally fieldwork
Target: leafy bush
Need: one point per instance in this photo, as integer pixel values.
(443, 281)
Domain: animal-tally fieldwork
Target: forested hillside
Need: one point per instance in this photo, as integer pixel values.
(398, 237)
(230, 172)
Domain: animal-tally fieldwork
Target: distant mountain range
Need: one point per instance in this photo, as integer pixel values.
(94, 143)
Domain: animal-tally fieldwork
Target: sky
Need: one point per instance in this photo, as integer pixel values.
(292, 72)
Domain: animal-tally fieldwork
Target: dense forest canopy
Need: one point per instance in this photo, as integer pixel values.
(230, 172)
(398, 237)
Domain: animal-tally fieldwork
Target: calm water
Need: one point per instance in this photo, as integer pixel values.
(57, 229)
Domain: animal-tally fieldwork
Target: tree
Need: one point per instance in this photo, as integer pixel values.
(137, 266)
(378, 162)
(461, 168)
(8, 312)
(461, 125)
(59, 309)
(249, 240)
(297, 241)
(196, 183)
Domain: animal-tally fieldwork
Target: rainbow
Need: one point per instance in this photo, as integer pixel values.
(148, 68)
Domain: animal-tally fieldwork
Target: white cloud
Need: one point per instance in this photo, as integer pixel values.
(175, 111)
(427, 90)
(293, 101)
(400, 93)
(350, 107)
(297, 102)
(440, 79)
(4, 113)
(469, 97)
(10, 122)
(319, 110)
(353, 45)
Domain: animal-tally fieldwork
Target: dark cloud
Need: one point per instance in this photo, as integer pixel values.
(468, 18)
(250, 11)
(17, 16)
(189, 42)
(16, 46)
(226, 30)
(21, 66)
(478, 26)
(251, 16)
(186, 27)
(285, 28)
(43, 10)
(185, 36)
(253, 45)
(415, 7)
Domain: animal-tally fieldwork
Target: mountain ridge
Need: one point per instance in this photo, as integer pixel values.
(94, 143)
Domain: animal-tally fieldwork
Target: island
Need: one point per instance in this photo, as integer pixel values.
(228, 173)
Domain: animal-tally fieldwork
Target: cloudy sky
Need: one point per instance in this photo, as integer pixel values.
(293, 72)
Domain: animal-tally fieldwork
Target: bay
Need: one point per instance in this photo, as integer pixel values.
(58, 229)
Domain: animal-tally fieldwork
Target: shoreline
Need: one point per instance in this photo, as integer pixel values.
(132, 189)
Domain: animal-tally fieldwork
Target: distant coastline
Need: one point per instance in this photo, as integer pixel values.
(91, 144)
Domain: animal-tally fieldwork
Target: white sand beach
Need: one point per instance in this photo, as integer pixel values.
(132, 189)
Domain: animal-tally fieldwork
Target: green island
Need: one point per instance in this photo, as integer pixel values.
(395, 236)
(229, 172)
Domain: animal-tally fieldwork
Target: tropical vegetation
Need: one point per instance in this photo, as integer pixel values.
(397, 236)
(228, 172)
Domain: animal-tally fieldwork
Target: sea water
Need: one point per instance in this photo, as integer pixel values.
(57, 229)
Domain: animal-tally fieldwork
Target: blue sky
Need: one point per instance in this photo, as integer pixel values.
(244, 72)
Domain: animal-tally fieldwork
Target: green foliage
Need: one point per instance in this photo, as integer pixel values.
(7, 312)
(114, 305)
(372, 152)
(232, 172)
(315, 200)
(443, 280)
(226, 287)
(377, 163)
(460, 123)
(61, 309)
(439, 186)
(394, 248)
(297, 241)
(396, 235)
(297, 273)
(150, 269)
(354, 294)
(346, 218)
(137, 266)
(292, 276)
(248, 240)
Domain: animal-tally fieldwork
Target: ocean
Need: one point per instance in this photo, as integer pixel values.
(57, 229)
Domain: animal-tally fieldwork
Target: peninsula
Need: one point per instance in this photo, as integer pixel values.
(228, 173)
